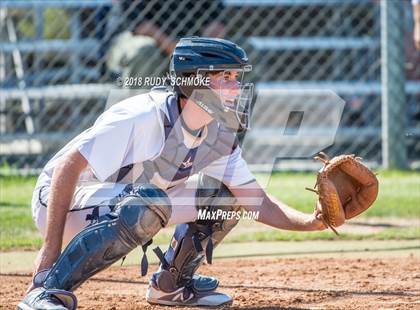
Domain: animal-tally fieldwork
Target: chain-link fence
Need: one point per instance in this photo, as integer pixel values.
(59, 60)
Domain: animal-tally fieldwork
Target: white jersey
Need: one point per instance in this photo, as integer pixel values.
(132, 132)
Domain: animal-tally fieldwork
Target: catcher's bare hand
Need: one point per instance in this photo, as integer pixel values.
(317, 220)
(44, 260)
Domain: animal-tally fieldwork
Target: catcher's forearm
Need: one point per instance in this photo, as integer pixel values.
(272, 211)
(279, 215)
(63, 184)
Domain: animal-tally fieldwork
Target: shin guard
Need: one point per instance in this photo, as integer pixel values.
(136, 220)
(193, 242)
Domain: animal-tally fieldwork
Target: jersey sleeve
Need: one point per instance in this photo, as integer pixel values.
(232, 170)
(119, 138)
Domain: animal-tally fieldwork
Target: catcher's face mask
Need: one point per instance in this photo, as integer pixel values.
(227, 98)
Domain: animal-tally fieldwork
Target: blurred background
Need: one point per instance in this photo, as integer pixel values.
(59, 60)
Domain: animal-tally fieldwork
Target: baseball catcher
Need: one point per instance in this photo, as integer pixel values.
(113, 187)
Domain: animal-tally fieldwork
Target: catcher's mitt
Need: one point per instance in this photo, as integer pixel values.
(345, 187)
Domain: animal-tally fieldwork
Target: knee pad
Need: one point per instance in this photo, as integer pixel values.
(138, 217)
(192, 242)
(144, 213)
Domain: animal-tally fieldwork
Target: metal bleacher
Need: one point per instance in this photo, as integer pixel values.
(365, 135)
(78, 46)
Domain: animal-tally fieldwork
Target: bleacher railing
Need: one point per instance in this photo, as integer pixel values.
(60, 59)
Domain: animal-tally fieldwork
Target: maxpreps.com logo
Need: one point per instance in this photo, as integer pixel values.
(204, 214)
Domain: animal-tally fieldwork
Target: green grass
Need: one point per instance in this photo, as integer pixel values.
(399, 196)
(16, 191)
(411, 233)
(399, 193)
(17, 229)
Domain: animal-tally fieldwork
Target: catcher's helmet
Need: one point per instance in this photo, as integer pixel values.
(200, 56)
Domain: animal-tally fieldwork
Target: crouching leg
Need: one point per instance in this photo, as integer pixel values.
(138, 217)
(176, 283)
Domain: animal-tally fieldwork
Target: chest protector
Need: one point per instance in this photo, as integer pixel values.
(184, 154)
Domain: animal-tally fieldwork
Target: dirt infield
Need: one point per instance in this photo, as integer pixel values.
(268, 283)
